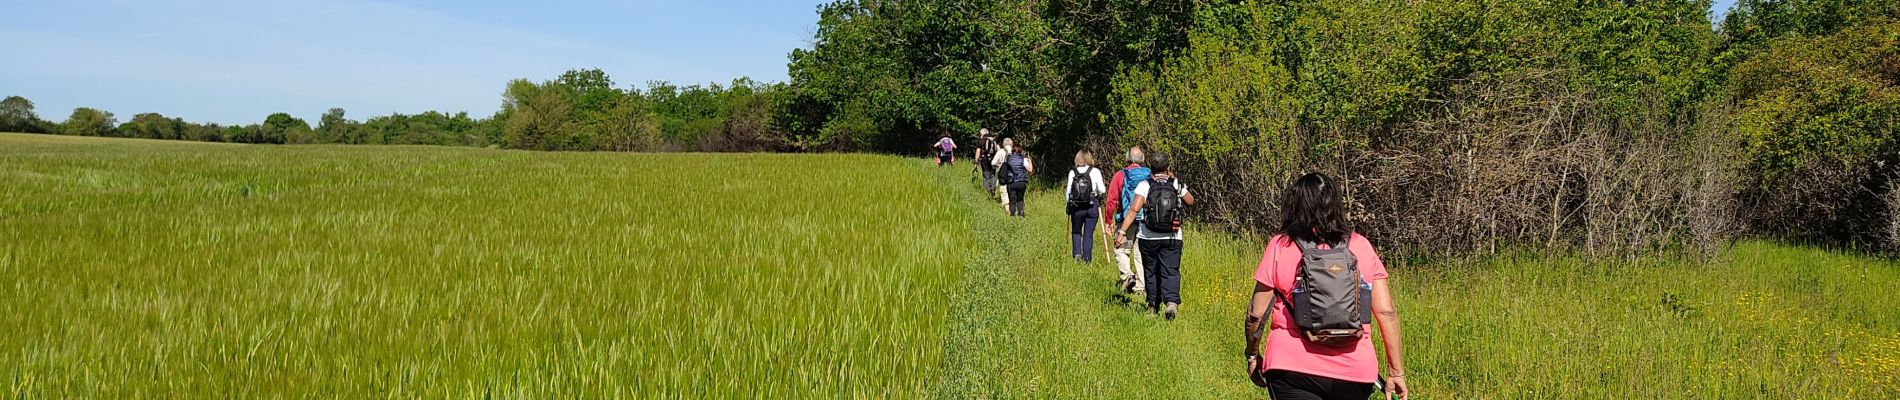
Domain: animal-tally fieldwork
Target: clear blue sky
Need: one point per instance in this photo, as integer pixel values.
(236, 61)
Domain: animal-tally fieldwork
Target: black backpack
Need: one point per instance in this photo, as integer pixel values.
(1162, 212)
(1082, 194)
(1330, 302)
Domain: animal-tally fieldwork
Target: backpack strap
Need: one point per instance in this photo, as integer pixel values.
(1305, 245)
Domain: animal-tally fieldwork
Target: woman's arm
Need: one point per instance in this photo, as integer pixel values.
(1128, 218)
(1257, 316)
(1387, 314)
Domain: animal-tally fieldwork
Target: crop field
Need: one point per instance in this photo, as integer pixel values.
(145, 269)
(136, 268)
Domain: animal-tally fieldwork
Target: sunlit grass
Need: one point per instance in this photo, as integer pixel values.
(151, 269)
(1773, 321)
(162, 269)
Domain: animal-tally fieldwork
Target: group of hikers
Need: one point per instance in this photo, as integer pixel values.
(1317, 291)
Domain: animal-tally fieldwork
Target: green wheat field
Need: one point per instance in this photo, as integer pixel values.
(146, 269)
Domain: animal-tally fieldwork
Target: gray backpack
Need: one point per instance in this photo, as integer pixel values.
(1331, 303)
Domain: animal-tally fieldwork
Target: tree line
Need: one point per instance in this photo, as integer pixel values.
(1461, 126)
(582, 110)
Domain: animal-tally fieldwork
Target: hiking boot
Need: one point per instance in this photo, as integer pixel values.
(1128, 285)
(1172, 309)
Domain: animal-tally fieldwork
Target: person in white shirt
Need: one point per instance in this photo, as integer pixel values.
(1084, 191)
(1160, 235)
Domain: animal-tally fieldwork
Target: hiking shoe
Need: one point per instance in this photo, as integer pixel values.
(1128, 285)
(1172, 309)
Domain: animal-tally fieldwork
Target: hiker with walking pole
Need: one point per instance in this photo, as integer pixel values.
(1317, 291)
(1083, 194)
(1162, 200)
(1121, 187)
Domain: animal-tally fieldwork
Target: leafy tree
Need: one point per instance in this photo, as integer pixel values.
(16, 115)
(88, 122)
(153, 126)
(283, 128)
(332, 127)
(535, 116)
(1819, 123)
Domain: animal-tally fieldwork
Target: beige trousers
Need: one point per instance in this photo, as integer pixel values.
(1128, 260)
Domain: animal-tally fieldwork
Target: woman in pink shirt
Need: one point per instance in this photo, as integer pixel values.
(1292, 366)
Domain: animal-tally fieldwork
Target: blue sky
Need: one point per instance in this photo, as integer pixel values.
(236, 61)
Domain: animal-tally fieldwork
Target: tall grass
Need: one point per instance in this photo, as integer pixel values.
(137, 269)
(174, 270)
(1774, 321)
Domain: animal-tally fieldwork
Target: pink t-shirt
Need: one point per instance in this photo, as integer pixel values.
(1285, 349)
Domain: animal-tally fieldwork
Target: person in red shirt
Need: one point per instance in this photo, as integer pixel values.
(1127, 258)
(1292, 368)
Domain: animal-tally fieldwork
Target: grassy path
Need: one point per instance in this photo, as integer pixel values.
(1029, 322)
(1775, 321)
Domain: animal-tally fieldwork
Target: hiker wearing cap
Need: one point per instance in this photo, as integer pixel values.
(1014, 167)
(986, 148)
(1121, 188)
(1162, 199)
(1084, 190)
(1317, 291)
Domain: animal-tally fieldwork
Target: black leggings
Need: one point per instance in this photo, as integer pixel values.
(1016, 198)
(1289, 385)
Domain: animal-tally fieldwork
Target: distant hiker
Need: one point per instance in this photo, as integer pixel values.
(1325, 286)
(1014, 167)
(1161, 199)
(1122, 187)
(1084, 192)
(946, 150)
(986, 148)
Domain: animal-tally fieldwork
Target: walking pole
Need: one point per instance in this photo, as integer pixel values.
(1108, 253)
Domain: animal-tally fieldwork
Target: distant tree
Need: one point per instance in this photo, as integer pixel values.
(535, 116)
(238, 134)
(283, 128)
(87, 121)
(16, 115)
(203, 132)
(334, 128)
(152, 126)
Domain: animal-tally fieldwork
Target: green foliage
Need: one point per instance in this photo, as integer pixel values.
(891, 75)
(16, 115)
(1819, 121)
(283, 128)
(153, 126)
(88, 122)
(333, 127)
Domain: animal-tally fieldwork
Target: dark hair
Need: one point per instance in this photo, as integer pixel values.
(1311, 209)
(1158, 163)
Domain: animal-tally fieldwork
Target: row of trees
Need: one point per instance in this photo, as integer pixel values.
(582, 110)
(1461, 126)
